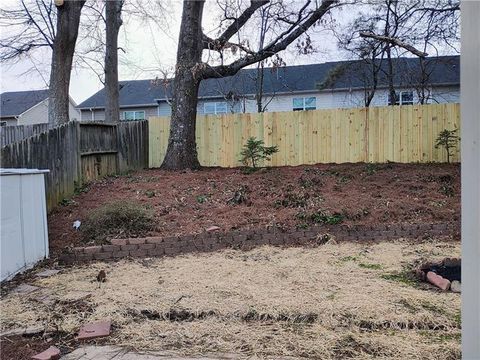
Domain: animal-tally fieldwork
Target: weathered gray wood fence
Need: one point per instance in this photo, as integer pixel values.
(11, 134)
(78, 152)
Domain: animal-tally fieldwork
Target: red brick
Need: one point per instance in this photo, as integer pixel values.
(120, 254)
(136, 241)
(155, 252)
(138, 253)
(119, 242)
(110, 248)
(438, 281)
(103, 255)
(92, 249)
(128, 247)
(171, 251)
(52, 353)
(94, 330)
(146, 246)
(154, 240)
(79, 250)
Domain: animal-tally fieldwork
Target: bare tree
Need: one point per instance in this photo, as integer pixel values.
(113, 12)
(190, 70)
(391, 28)
(38, 24)
(68, 20)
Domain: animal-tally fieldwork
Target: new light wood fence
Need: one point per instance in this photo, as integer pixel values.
(378, 134)
(76, 153)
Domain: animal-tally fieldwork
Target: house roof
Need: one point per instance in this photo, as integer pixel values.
(17, 102)
(333, 76)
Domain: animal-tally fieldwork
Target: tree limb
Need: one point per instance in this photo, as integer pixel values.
(394, 41)
(271, 49)
(234, 27)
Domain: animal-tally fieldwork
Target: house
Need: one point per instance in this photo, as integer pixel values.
(28, 108)
(341, 84)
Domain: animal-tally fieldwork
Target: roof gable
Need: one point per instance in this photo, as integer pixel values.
(17, 102)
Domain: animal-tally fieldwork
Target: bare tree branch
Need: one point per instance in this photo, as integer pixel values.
(396, 42)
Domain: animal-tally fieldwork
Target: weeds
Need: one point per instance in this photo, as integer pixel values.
(150, 193)
(404, 276)
(321, 217)
(371, 266)
(202, 199)
(120, 218)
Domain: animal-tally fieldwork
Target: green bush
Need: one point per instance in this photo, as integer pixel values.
(255, 151)
(119, 219)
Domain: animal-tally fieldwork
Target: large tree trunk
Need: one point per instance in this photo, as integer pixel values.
(113, 12)
(182, 149)
(68, 20)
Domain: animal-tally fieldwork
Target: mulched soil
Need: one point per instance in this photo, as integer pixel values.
(189, 202)
(21, 348)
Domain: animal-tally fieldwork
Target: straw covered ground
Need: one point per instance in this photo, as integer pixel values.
(345, 300)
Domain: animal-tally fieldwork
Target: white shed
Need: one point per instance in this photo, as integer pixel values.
(24, 233)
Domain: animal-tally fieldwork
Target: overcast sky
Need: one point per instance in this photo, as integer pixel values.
(148, 50)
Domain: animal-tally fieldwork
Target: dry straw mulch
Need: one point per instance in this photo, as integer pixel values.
(332, 302)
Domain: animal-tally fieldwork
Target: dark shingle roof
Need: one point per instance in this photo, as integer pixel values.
(442, 70)
(17, 102)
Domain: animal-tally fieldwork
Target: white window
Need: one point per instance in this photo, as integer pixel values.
(401, 98)
(215, 107)
(133, 115)
(304, 103)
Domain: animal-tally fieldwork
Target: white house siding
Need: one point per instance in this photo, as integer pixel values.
(99, 115)
(8, 121)
(284, 102)
(38, 114)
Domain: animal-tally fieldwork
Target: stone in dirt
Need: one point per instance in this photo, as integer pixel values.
(52, 353)
(94, 330)
(47, 273)
(213, 228)
(456, 286)
(438, 281)
(25, 289)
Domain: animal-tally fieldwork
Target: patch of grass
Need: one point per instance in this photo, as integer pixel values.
(433, 308)
(371, 266)
(403, 277)
(349, 258)
(117, 219)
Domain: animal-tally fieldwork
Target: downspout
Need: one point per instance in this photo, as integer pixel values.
(93, 114)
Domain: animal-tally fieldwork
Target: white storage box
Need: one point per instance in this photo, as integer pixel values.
(24, 233)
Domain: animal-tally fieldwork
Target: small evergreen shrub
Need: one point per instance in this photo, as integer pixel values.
(448, 139)
(255, 151)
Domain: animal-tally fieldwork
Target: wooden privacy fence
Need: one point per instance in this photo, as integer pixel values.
(378, 134)
(76, 153)
(11, 134)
